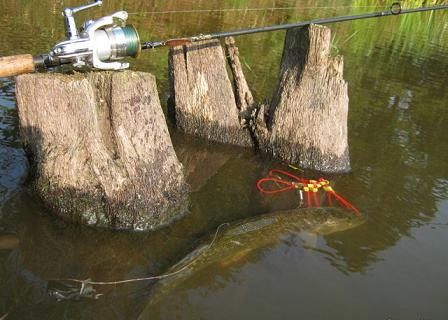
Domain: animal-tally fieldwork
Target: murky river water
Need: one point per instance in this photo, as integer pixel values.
(394, 266)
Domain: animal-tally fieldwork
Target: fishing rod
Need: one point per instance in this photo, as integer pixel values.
(395, 9)
(102, 43)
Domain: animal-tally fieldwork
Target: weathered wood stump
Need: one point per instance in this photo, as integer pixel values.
(244, 98)
(100, 148)
(306, 122)
(202, 94)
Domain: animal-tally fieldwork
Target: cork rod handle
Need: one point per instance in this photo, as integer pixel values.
(15, 65)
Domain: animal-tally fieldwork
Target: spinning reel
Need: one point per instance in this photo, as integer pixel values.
(102, 43)
(99, 44)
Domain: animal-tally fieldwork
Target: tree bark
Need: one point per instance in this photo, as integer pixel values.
(306, 122)
(202, 95)
(244, 98)
(100, 149)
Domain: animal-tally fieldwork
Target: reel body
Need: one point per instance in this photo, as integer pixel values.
(99, 44)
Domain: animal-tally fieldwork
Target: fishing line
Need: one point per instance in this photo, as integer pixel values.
(244, 9)
(394, 10)
(146, 278)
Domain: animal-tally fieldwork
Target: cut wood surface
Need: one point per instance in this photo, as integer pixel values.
(100, 149)
(307, 118)
(202, 94)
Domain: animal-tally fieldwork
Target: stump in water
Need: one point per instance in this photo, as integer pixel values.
(202, 95)
(244, 98)
(100, 148)
(306, 122)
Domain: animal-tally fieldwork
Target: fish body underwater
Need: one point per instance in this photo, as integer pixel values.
(233, 243)
(9, 241)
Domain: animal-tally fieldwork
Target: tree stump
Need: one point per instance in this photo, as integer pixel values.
(245, 101)
(306, 122)
(202, 95)
(100, 149)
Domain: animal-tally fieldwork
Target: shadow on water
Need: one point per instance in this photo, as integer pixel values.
(13, 163)
(50, 248)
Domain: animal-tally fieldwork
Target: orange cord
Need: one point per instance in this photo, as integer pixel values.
(310, 187)
(272, 178)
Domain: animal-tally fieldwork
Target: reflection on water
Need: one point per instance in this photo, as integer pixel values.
(245, 242)
(393, 266)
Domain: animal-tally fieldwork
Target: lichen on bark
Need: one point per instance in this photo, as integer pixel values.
(100, 149)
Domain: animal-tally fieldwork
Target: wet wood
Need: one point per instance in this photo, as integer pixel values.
(306, 122)
(244, 98)
(201, 94)
(100, 149)
(15, 65)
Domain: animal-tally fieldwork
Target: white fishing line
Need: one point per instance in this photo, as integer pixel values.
(245, 9)
(166, 275)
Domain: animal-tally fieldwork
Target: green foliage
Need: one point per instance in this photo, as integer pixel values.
(414, 27)
(336, 43)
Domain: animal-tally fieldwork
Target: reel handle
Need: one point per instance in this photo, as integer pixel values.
(87, 6)
(15, 65)
(70, 23)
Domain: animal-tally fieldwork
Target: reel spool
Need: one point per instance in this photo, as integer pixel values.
(100, 43)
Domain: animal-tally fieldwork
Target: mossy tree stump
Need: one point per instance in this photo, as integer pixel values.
(306, 122)
(100, 149)
(202, 96)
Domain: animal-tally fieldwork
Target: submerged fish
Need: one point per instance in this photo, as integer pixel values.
(8, 241)
(233, 242)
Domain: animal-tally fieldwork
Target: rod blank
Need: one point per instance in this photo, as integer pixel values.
(395, 10)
